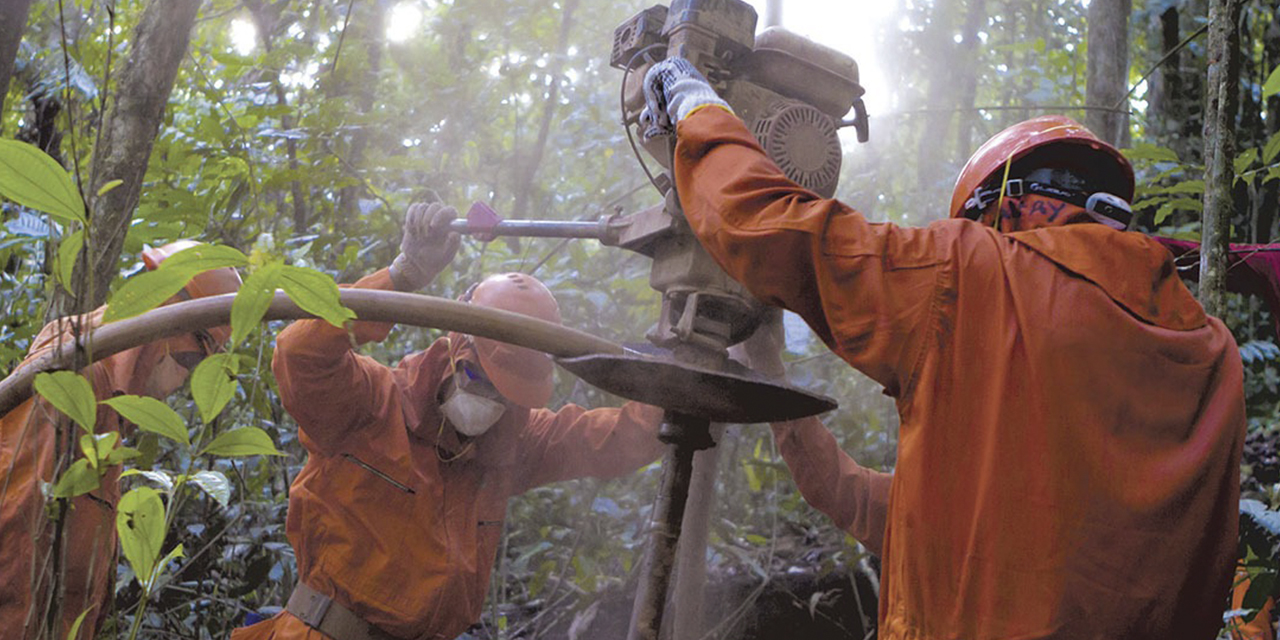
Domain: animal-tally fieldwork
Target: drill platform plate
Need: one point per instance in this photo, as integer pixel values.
(741, 397)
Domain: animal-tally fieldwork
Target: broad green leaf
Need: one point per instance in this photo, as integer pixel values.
(160, 566)
(1272, 149)
(203, 257)
(1245, 159)
(97, 446)
(315, 293)
(74, 632)
(70, 393)
(68, 251)
(158, 476)
(29, 177)
(145, 292)
(1272, 86)
(151, 415)
(252, 300)
(120, 454)
(111, 184)
(140, 523)
(80, 478)
(213, 384)
(245, 441)
(1146, 151)
(215, 484)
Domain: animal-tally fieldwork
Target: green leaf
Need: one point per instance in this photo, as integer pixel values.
(151, 415)
(203, 257)
(160, 566)
(315, 293)
(145, 292)
(68, 251)
(215, 484)
(74, 633)
(252, 300)
(158, 476)
(245, 441)
(1272, 148)
(112, 184)
(70, 393)
(1147, 151)
(29, 177)
(80, 478)
(213, 384)
(98, 446)
(120, 454)
(140, 523)
(1272, 86)
(1245, 159)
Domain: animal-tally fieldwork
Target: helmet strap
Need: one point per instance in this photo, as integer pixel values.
(1105, 208)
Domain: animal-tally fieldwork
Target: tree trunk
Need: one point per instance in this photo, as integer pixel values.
(128, 134)
(370, 32)
(1165, 99)
(942, 94)
(773, 13)
(1222, 93)
(555, 71)
(266, 17)
(1269, 200)
(687, 595)
(975, 17)
(13, 20)
(1108, 67)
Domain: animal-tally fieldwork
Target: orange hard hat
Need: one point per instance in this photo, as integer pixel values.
(520, 374)
(210, 283)
(1046, 141)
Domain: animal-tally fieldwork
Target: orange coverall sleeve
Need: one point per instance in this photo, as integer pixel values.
(866, 289)
(327, 387)
(855, 497)
(575, 442)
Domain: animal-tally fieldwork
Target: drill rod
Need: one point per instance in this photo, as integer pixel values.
(673, 495)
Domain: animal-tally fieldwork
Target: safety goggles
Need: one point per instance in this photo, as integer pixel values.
(470, 377)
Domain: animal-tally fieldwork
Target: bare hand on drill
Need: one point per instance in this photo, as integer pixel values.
(427, 248)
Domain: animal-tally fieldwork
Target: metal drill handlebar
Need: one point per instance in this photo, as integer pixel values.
(598, 230)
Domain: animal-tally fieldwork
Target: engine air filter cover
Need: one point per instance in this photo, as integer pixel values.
(803, 142)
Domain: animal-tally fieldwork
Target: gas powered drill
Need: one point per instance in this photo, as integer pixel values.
(792, 93)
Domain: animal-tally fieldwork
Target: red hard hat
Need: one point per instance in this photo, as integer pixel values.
(1056, 141)
(210, 283)
(520, 374)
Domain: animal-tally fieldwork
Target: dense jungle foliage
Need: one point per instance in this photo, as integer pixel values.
(298, 132)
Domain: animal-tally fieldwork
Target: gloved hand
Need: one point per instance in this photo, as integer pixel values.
(673, 89)
(427, 248)
(762, 352)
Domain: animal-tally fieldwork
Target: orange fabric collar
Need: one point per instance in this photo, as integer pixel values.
(1107, 258)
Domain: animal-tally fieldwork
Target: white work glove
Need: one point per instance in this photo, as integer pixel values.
(427, 248)
(762, 352)
(673, 89)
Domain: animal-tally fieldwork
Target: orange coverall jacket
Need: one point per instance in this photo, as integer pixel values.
(855, 497)
(377, 520)
(27, 444)
(1071, 420)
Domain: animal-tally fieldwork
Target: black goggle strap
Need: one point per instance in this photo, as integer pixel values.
(1108, 209)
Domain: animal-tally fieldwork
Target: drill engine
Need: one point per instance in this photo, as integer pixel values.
(792, 93)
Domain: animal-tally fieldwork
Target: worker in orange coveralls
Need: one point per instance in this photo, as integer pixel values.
(28, 439)
(1259, 628)
(395, 519)
(1071, 419)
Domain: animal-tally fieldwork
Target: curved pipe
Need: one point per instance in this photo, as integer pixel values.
(368, 304)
